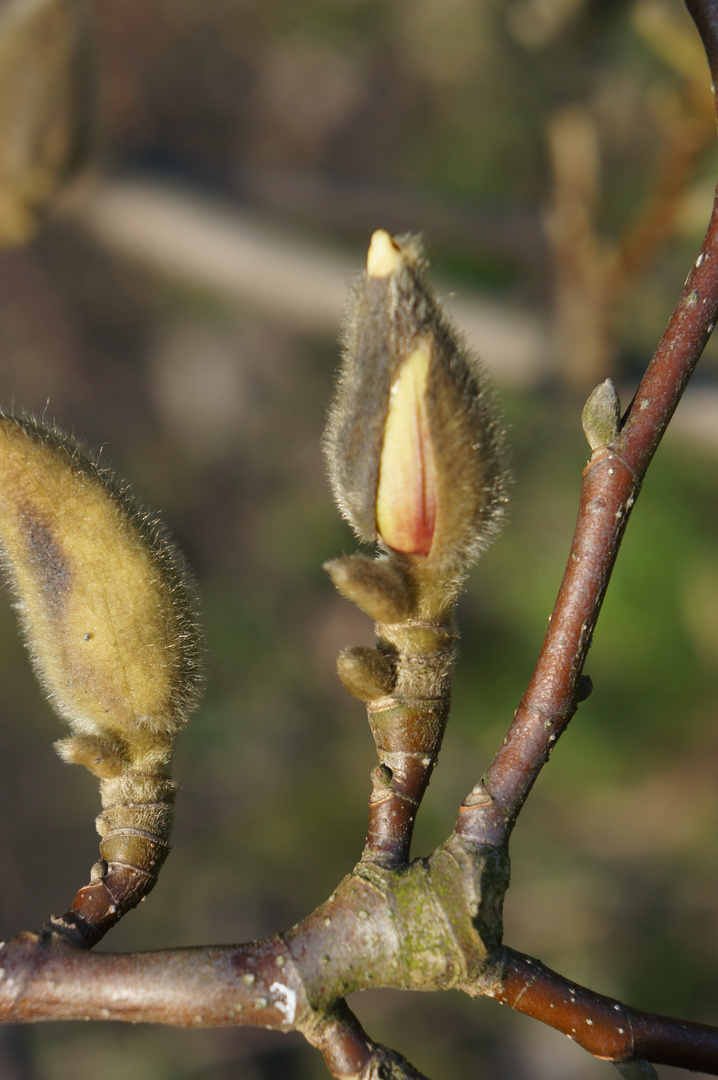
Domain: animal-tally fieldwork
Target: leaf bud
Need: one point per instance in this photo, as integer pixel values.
(414, 441)
(368, 674)
(601, 416)
(377, 586)
(103, 757)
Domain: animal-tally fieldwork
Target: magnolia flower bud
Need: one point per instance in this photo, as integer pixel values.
(101, 596)
(108, 617)
(414, 441)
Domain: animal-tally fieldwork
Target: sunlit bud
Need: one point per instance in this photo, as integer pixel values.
(101, 596)
(377, 586)
(106, 607)
(47, 106)
(368, 674)
(104, 757)
(406, 495)
(414, 442)
(601, 416)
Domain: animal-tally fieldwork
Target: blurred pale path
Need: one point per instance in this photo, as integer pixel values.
(248, 258)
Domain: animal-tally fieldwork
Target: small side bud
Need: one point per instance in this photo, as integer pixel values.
(636, 1070)
(601, 416)
(105, 758)
(585, 688)
(366, 673)
(376, 586)
(101, 594)
(414, 441)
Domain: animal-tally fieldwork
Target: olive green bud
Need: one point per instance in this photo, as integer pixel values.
(108, 616)
(377, 586)
(104, 757)
(47, 106)
(601, 416)
(414, 442)
(368, 674)
(101, 594)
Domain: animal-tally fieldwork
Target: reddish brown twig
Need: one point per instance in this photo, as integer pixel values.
(602, 1025)
(351, 1055)
(611, 483)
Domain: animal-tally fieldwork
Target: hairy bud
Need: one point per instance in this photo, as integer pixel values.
(417, 461)
(377, 586)
(368, 674)
(100, 591)
(601, 416)
(414, 441)
(107, 614)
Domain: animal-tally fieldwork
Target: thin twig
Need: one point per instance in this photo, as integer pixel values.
(611, 483)
(602, 1025)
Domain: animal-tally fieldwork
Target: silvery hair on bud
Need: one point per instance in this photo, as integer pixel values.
(386, 316)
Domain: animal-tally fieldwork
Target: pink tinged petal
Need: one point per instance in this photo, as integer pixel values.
(406, 493)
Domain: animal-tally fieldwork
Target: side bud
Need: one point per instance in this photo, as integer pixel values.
(368, 674)
(601, 416)
(414, 442)
(377, 586)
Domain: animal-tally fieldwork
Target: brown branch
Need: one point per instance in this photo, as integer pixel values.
(350, 1054)
(611, 483)
(45, 977)
(602, 1025)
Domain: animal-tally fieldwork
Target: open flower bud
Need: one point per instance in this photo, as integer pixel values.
(414, 441)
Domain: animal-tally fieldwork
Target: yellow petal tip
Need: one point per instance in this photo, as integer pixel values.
(383, 257)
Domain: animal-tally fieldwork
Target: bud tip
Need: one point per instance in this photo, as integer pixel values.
(383, 257)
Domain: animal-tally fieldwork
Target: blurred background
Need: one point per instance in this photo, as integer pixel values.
(180, 308)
